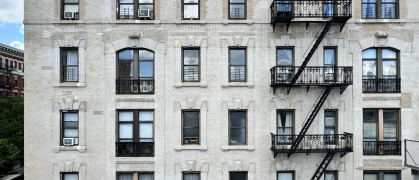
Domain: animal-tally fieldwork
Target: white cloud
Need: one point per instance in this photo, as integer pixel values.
(22, 29)
(11, 11)
(17, 44)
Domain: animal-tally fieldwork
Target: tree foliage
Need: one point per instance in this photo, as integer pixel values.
(11, 132)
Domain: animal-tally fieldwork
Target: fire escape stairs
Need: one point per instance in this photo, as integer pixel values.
(322, 167)
(315, 110)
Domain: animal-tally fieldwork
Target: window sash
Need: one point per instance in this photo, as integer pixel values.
(238, 65)
(238, 132)
(190, 10)
(191, 69)
(137, 130)
(191, 132)
(70, 125)
(69, 65)
(140, 68)
(237, 15)
(238, 175)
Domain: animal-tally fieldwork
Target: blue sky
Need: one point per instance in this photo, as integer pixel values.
(11, 19)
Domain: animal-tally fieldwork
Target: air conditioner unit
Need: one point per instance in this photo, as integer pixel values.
(69, 15)
(68, 141)
(144, 13)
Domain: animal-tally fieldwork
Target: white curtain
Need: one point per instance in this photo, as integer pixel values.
(329, 57)
(146, 177)
(72, 66)
(285, 128)
(191, 176)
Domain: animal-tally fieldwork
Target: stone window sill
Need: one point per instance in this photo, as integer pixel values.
(379, 21)
(134, 160)
(249, 148)
(191, 147)
(81, 149)
(238, 84)
(191, 84)
(70, 84)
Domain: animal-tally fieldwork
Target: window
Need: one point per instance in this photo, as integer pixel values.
(330, 175)
(70, 126)
(136, 9)
(190, 64)
(284, 59)
(237, 64)
(381, 132)
(330, 125)
(382, 175)
(135, 72)
(237, 9)
(190, 127)
(237, 125)
(135, 133)
(69, 176)
(191, 176)
(285, 123)
(15, 66)
(130, 176)
(190, 9)
(69, 65)
(286, 175)
(6, 64)
(329, 63)
(380, 70)
(238, 175)
(379, 9)
(70, 9)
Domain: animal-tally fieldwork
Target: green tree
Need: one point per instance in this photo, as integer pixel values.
(11, 133)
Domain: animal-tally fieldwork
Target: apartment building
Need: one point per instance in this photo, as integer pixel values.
(220, 89)
(11, 71)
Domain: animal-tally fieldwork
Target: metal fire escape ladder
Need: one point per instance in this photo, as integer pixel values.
(310, 119)
(311, 53)
(322, 167)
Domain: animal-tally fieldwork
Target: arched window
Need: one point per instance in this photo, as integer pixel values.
(135, 72)
(380, 70)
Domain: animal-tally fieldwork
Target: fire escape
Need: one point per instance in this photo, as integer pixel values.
(328, 12)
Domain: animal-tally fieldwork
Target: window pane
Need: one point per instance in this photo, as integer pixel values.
(146, 115)
(191, 73)
(145, 1)
(390, 115)
(329, 57)
(329, 121)
(238, 119)
(146, 69)
(146, 130)
(370, 130)
(369, 54)
(285, 176)
(126, 11)
(389, 68)
(71, 176)
(71, 116)
(146, 55)
(126, 55)
(126, 116)
(145, 177)
(126, 1)
(71, 8)
(71, 124)
(369, 68)
(329, 131)
(191, 57)
(237, 73)
(285, 119)
(190, 176)
(370, 115)
(125, 131)
(369, 1)
(284, 57)
(390, 130)
(191, 119)
(238, 176)
(388, 11)
(237, 1)
(370, 176)
(71, 133)
(389, 54)
(390, 176)
(125, 69)
(237, 11)
(190, 11)
(190, 1)
(125, 177)
(71, 57)
(393, 1)
(237, 57)
(71, 1)
(369, 11)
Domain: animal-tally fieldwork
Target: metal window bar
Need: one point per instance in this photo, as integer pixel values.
(190, 74)
(312, 75)
(134, 149)
(382, 148)
(310, 8)
(135, 86)
(238, 74)
(381, 85)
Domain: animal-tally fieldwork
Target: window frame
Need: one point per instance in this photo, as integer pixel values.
(63, 57)
(335, 175)
(62, 174)
(199, 127)
(278, 111)
(381, 174)
(131, 172)
(379, 62)
(292, 48)
(135, 124)
(183, 10)
(199, 63)
(292, 172)
(191, 172)
(378, 9)
(136, 6)
(336, 126)
(229, 63)
(233, 172)
(76, 17)
(62, 126)
(136, 64)
(245, 10)
(245, 128)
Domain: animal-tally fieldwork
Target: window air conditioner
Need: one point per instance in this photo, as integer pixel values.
(68, 141)
(144, 13)
(69, 15)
